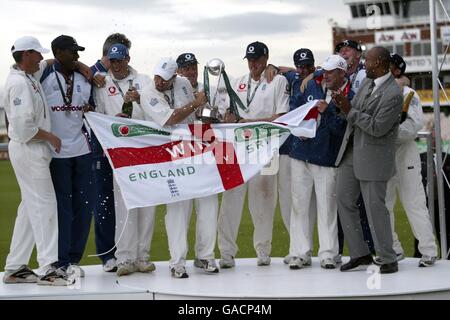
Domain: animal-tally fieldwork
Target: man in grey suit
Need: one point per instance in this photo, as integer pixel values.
(366, 161)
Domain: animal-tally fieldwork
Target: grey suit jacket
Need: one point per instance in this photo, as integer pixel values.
(374, 122)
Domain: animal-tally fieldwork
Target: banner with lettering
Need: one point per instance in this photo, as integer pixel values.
(156, 165)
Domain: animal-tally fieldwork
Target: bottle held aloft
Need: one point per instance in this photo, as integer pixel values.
(127, 107)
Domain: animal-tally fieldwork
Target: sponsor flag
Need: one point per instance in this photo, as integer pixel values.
(156, 165)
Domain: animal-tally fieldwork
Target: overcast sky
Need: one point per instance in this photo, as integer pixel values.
(157, 28)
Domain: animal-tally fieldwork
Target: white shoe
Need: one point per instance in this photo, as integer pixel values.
(21, 275)
(299, 262)
(209, 265)
(263, 258)
(263, 261)
(145, 266)
(227, 262)
(287, 259)
(328, 263)
(75, 270)
(110, 265)
(426, 261)
(179, 272)
(125, 268)
(56, 277)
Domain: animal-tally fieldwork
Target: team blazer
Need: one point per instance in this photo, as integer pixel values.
(374, 121)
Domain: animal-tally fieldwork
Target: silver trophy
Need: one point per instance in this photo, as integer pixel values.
(210, 111)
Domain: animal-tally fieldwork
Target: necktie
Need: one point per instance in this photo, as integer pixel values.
(370, 89)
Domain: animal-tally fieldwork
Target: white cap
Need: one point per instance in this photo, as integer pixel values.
(334, 62)
(28, 43)
(166, 68)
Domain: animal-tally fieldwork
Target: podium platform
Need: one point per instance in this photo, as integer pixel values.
(247, 281)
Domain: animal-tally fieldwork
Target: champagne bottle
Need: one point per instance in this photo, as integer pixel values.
(127, 107)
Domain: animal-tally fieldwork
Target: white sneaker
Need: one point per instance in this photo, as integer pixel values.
(426, 261)
(125, 268)
(145, 266)
(179, 272)
(56, 277)
(263, 261)
(209, 265)
(227, 262)
(287, 259)
(21, 275)
(110, 265)
(299, 262)
(328, 263)
(263, 258)
(75, 270)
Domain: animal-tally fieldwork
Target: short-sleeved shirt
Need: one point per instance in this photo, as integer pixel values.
(159, 106)
(269, 98)
(67, 120)
(25, 105)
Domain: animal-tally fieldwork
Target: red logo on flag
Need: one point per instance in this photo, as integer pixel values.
(124, 130)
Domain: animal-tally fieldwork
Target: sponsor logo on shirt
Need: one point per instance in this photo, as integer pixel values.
(17, 102)
(310, 98)
(66, 108)
(112, 91)
(185, 91)
(153, 102)
(242, 87)
(78, 88)
(264, 87)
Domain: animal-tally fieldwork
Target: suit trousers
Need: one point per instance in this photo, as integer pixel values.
(374, 195)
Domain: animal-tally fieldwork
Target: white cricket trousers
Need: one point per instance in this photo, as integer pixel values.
(207, 209)
(306, 179)
(284, 188)
(133, 239)
(285, 195)
(408, 183)
(262, 200)
(37, 215)
(177, 225)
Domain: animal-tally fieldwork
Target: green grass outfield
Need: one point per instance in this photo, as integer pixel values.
(10, 197)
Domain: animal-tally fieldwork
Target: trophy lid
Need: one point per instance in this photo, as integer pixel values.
(215, 66)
